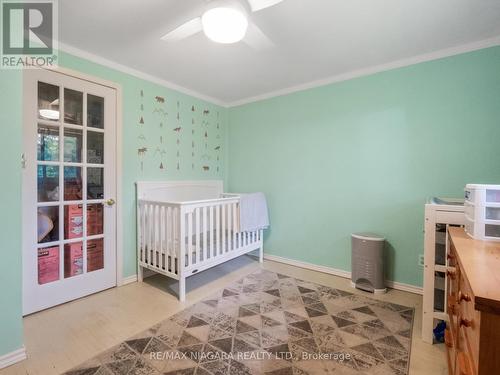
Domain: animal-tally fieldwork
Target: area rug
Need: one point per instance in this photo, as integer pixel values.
(269, 323)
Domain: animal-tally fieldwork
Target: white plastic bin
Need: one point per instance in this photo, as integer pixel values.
(482, 211)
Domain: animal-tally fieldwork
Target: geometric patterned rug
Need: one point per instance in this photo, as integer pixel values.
(268, 323)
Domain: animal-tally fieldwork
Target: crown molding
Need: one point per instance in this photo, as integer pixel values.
(137, 73)
(447, 52)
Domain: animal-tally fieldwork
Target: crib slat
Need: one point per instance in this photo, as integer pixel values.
(217, 229)
(235, 225)
(189, 239)
(150, 232)
(155, 235)
(162, 237)
(199, 253)
(211, 232)
(175, 240)
(223, 228)
(168, 234)
(205, 232)
(229, 233)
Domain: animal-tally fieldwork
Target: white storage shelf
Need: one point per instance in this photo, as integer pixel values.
(439, 216)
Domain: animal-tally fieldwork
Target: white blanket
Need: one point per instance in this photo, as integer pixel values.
(253, 212)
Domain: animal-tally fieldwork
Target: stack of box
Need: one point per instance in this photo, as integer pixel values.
(73, 259)
(95, 255)
(95, 219)
(48, 265)
(73, 227)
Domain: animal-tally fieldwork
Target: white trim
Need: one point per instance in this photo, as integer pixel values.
(341, 273)
(11, 358)
(137, 73)
(447, 52)
(128, 280)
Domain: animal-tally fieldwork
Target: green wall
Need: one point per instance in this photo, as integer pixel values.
(195, 152)
(10, 214)
(353, 156)
(364, 154)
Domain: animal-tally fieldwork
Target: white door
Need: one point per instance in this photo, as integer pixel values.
(69, 186)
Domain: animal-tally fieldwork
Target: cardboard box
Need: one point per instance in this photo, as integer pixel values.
(95, 219)
(73, 259)
(73, 223)
(48, 265)
(95, 255)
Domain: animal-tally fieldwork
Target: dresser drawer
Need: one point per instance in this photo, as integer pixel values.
(468, 320)
(450, 344)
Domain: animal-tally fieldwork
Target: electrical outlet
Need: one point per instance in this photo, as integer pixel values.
(421, 260)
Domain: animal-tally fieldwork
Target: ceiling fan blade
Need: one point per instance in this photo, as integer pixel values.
(183, 31)
(256, 39)
(257, 5)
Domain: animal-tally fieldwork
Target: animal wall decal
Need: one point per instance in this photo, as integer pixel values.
(206, 168)
(178, 129)
(160, 151)
(160, 99)
(206, 112)
(142, 151)
(217, 148)
(161, 112)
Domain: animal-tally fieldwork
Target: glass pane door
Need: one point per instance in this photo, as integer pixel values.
(75, 227)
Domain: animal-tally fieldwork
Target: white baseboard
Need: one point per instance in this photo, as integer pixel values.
(129, 279)
(341, 273)
(13, 357)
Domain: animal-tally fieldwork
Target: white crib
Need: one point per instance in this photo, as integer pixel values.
(185, 227)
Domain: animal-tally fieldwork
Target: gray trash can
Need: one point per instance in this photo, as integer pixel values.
(368, 262)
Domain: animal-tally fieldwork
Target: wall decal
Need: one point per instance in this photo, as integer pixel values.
(217, 148)
(161, 112)
(160, 151)
(160, 99)
(206, 168)
(142, 93)
(161, 166)
(141, 121)
(206, 112)
(192, 109)
(142, 151)
(178, 129)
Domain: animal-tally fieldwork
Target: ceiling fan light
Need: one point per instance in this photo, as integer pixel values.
(224, 24)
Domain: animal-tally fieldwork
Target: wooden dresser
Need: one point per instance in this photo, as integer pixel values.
(472, 335)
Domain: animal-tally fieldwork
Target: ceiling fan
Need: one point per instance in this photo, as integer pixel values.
(226, 22)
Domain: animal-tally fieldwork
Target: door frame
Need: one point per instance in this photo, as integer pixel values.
(118, 157)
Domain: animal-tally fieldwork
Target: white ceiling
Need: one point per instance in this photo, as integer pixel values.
(314, 39)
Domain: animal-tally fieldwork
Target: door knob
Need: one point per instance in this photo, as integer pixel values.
(110, 202)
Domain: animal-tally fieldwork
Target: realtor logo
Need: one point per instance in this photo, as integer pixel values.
(29, 31)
